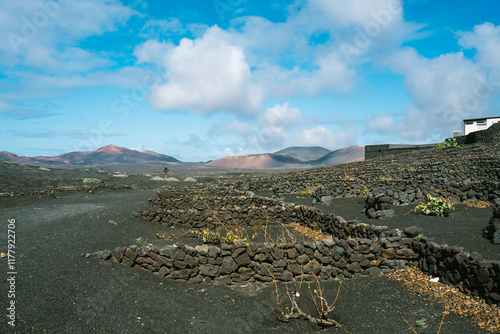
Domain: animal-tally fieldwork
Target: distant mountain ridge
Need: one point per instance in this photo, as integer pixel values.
(110, 154)
(306, 153)
(293, 157)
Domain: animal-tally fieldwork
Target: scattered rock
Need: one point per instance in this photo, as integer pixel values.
(379, 206)
(492, 231)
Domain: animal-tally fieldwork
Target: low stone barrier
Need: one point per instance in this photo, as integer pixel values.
(210, 205)
(328, 259)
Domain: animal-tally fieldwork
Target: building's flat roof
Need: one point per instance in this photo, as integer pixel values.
(479, 119)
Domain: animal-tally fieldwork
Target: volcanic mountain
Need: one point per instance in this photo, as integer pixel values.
(114, 154)
(341, 156)
(293, 157)
(306, 153)
(110, 154)
(257, 161)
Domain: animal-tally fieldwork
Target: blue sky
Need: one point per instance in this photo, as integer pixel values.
(203, 79)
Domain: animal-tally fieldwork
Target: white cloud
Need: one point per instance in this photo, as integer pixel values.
(485, 38)
(382, 123)
(152, 51)
(205, 75)
(275, 124)
(161, 28)
(360, 28)
(332, 73)
(446, 88)
(212, 72)
(321, 136)
(33, 23)
(68, 59)
(344, 13)
(413, 125)
(40, 52)
(280, 115)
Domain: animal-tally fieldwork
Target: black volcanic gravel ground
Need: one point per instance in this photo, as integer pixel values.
(59, 291)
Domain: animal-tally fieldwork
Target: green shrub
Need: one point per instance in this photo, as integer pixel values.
(435, 206)
(449, 142)
(91, 180)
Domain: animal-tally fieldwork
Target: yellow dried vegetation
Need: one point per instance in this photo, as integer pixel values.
(486, 316)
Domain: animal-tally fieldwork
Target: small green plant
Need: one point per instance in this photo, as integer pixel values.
(421, 323)
(91, 180)
(435, 206)
(210, 236)
(139, 240)
(308, 192)
(449, 142)
(231, 237)
(112, 222)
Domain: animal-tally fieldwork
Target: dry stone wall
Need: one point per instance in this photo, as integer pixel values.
(206, 206)
(328, 259)
(354, 249)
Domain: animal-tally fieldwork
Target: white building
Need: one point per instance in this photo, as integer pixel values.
(476, 124)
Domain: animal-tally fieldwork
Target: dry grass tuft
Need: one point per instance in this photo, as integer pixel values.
(309, 232)
(477, 204)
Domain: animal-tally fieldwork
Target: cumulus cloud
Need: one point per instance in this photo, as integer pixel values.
(205, 75)
(332, 73)
(485, 38)
(321, 136)
(447, 88)
(212, 72)
(274, 124)
(152, 51)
